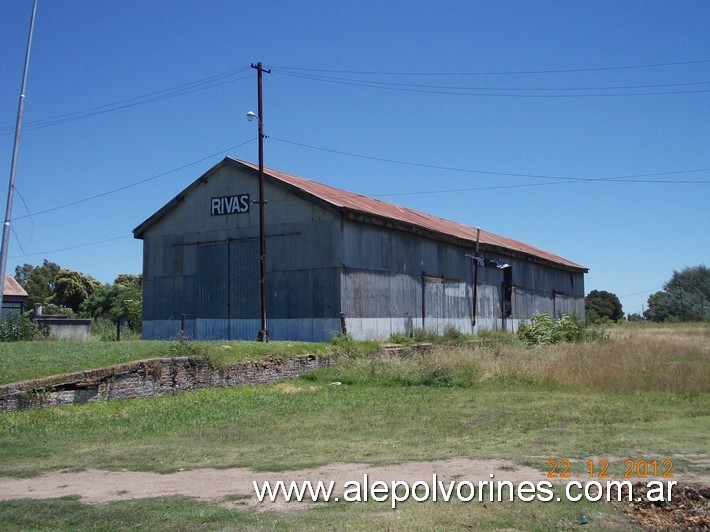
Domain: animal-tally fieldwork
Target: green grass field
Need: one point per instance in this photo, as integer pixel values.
(642, 393)
(33, 360)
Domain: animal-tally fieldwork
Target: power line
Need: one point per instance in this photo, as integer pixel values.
(643, 292)
(72, 247)
(499, 72)
(624, 178)
(472, 189)
(390, 84)
(219, 79)
(164, 94)
(633, 178)
(131, 185)
(32, 226)
(463, 91)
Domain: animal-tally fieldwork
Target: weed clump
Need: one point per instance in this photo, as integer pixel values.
(344, 344)
(186, 348)
(543, 329)
(450, 336)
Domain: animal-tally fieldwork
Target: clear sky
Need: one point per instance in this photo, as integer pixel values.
(524, 118)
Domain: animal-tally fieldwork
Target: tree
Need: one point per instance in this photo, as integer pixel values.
(121, 300)
(128, 301)
(686, 297)
(662, 306)
(601, 305)
(98, 304)
(38, 281)
(72, 288)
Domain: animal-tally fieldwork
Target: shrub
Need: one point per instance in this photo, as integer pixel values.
(422, 336)
(57, 310)
(344, 344)
(102, 329)
(400, 338)
(542, 329)
(545, 330)
(18, 327)
(570, 328)
(187, 348)
(452, 334)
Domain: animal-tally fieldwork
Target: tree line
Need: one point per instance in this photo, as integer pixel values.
(685, 297)
(72, 293)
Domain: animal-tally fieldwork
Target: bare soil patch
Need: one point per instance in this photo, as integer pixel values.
(227, 485)
(233, 488)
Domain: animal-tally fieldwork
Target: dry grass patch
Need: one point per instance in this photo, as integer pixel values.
(658, 359)
(661, 359)
(287, 387)
(631, 359)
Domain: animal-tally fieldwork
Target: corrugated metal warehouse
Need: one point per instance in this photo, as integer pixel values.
(333, 257)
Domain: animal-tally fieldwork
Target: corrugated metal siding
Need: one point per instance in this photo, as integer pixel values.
(319, 264)
(212, 290)
(207, 267)
(245, 284)
(384, 284)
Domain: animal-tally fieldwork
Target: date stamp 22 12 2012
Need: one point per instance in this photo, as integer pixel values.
(562, 469)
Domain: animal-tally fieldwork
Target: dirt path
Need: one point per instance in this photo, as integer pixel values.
(234, 487)
(96, 486)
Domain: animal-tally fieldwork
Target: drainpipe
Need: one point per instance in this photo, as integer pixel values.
(423, 300)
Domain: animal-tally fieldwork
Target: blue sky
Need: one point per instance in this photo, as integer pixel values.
(475, 97)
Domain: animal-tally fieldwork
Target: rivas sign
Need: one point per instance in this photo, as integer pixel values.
(230, 204)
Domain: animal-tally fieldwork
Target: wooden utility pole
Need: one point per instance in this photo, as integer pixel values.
(263, 334)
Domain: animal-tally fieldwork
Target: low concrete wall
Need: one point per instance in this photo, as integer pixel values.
(62, 328)
(149, 378)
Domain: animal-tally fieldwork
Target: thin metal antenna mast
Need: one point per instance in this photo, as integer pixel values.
(13, 164)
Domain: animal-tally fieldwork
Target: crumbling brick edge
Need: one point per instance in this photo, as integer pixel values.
(150, 378)
(156, 377)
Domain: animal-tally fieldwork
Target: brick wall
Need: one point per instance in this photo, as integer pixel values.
(149, 378)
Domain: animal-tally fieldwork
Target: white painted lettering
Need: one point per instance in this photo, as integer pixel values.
(230, 204)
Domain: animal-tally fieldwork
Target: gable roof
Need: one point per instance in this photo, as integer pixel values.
(358, 205)
(12, 290)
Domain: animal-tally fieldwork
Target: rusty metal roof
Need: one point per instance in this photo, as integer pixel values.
(371, 206)
(13, 289)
